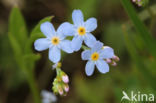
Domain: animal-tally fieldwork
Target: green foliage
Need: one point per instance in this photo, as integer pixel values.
(18, 33)
(140, 27)
(138, 59)
(17, 27)
(143, 40)
(22, 47)
(5, 53)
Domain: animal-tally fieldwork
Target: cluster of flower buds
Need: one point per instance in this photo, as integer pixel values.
(113, 60)
(60, 84)
(141, 2)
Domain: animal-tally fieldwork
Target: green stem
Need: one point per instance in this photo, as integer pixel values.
(152, 15)
(33, 86)
(58, 70)
(31, 81)
(84, 47)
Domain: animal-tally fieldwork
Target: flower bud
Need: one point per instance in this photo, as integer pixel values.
(66, 88)
(60, 84)
(114, 63)
(60, 91)
(65, 79)
(108, 60)
(116, 58)
(133, 0)
(141, 2)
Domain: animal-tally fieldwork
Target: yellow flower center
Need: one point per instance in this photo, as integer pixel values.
(81, 31)
(95, 56)
(55, 40)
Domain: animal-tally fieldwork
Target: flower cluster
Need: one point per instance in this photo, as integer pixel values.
(98, 55)
(140, 2)
(60, 84)
(56, 40)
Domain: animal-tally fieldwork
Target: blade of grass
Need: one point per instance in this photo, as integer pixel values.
(140, 27)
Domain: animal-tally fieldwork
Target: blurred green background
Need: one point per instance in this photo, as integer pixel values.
(135, 71)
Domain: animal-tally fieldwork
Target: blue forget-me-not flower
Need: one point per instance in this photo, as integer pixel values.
(48, 97)
(96, 56)
(80, 30)
(55, 41)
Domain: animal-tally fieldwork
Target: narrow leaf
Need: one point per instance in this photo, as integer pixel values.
(140, 27)
(17, 27)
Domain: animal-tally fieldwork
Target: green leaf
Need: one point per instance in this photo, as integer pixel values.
(17, 51)
(36, 33)
(15, 46)
(17, 27)
(30, 60)
(17, 35)
(140, 27)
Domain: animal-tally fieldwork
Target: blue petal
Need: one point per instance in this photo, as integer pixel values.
(89, 68)
(77, 17)
(66, 46)
(54, 54)
(89, 40)
(66, 29)
(76, 43)
(47, 29)
(41, 44)
(97, 46)
(106, 53)
(102, 66)
(85, 55)
(91, 24)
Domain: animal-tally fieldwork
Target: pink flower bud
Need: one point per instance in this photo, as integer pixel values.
(66, 88)
(114, 64)
(134, 0)
(60, 91)
(65, 79)
(139, 4)
(108, 60)
(116, 58)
